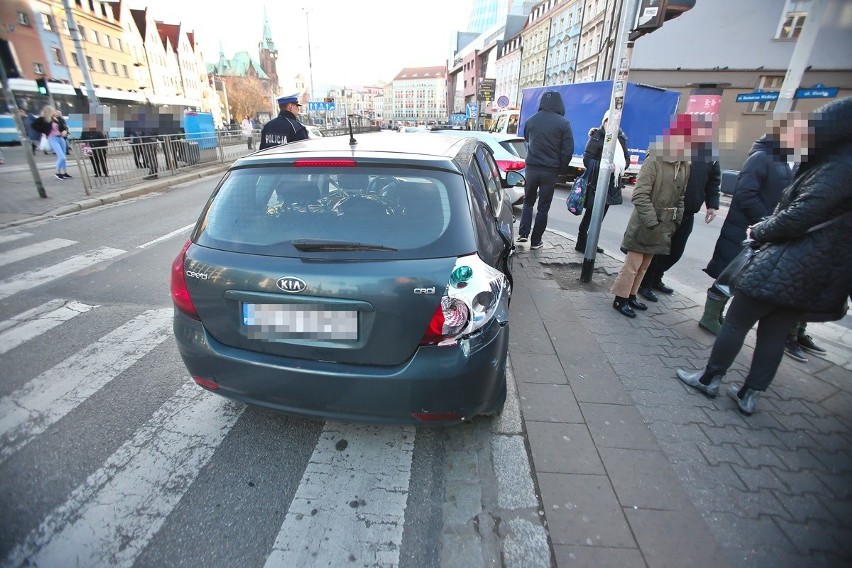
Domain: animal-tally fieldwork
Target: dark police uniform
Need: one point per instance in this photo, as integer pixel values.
(283, 129)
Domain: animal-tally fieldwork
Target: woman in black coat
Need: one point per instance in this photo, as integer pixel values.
(592, 159)
(763, 177)
(803, 270)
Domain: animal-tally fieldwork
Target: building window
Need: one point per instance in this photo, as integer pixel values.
(65, 29)
(82, 31)
(39, 68)
(115, 68)
(89, 61)
(106, 41)
(57, 56)
(793, 19)
(47, 22)
(23, 19)
(767, 83)
(124, 68)
(118, 45)
(95, 37)
(103, 66)
(74, 59)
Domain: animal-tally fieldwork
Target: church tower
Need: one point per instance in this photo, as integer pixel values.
(268, 56)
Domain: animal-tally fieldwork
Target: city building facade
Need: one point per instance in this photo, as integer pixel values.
(419, 96)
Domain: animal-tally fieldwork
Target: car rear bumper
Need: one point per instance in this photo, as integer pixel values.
(463, 379)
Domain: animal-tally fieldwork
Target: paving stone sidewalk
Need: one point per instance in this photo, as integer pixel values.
(635, 468)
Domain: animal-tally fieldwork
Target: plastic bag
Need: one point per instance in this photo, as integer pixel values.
(44, 144)
(577, 196)
(86, 149)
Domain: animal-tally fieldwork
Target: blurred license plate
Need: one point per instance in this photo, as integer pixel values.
(299, 321)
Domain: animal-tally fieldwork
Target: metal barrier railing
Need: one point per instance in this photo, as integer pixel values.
(115, 162)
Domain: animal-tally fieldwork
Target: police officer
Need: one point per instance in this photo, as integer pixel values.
(286, 127)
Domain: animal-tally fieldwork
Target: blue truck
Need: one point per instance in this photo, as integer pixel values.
(646, 113)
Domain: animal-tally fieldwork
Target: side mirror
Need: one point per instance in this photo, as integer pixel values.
(515, 178)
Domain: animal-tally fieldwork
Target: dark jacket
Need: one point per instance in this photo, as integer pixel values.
(281, 130)
(764, 176)
(550, 143)
(32, 133)
(592, 160)
(702, 187)
(811, 272)
(42, 126)
(95, 138)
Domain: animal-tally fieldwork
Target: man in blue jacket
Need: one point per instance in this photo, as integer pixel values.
(550, 145)
(285, 127)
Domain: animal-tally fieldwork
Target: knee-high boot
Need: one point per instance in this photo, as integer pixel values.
(712, 318)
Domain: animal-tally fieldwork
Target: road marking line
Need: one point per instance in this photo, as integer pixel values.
(13, 237)
(166, 237)
(111, 518)
(40, 403)
(349, 508)
(33, 250)
(41, 276)
(36, 321)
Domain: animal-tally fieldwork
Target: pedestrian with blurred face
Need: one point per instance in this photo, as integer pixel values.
(802, 270)
(657, 211)
(51, 124)
(248, 131)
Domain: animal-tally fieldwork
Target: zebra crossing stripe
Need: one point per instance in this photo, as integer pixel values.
(114, 514)
(32, 409)
(9, 237)
(36, 321)
(41, 276)
(33, 250)
(349, 508)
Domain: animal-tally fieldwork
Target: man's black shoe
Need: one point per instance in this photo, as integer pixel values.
(648, 294)
(579, 248)
(660, 287)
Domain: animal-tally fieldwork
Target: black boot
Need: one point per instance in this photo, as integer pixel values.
(623, 307)
(709, 386)
(636, 304)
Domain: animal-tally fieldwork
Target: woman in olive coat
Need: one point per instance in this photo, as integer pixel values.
(657, 208)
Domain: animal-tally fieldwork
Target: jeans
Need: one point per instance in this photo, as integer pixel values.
(773, 325)
(58, 145)
(540, 185)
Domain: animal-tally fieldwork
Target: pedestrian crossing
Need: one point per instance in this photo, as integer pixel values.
(351, 497)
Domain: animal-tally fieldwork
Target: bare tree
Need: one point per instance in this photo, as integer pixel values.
(245, 96)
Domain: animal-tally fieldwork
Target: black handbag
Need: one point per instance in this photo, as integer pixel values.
(728, 279)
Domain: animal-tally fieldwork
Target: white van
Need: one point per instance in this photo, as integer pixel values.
(506, 122)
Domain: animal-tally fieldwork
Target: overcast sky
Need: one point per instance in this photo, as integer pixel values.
(352, 43)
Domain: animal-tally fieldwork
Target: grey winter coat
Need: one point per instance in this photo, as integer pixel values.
(811, 272)
(657, 206)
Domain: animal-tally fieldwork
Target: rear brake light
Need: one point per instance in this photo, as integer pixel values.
(180, 293)
(206, 383)
(329, 163)
(473, 294)
(510, 165)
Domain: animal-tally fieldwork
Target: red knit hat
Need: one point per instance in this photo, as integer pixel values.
(681, 125)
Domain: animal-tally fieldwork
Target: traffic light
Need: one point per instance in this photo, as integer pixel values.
(41, 86)
(329, 99)
(653, 13)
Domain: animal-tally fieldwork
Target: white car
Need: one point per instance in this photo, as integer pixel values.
(313, 131)
(510, 153)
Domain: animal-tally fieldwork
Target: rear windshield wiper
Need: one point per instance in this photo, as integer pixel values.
(310, 245)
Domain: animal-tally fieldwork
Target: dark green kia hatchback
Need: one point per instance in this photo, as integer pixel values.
(350, 279)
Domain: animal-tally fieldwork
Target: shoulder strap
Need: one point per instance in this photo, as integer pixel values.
(829, 222)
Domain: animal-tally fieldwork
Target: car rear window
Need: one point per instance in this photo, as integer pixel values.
(275, 211)
(517, 147)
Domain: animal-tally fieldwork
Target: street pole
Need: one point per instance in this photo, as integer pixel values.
(801, 54)
(310, 62)
(12, 106)
(621, 58)
(81, 55)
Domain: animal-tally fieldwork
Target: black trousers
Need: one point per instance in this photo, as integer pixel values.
(773, 325)
(662, 262)
(99, 162)
(583, 231)
(540, 186)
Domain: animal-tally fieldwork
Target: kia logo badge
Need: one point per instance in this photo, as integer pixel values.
(292, 284)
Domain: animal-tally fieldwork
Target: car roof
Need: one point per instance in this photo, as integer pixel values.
(480, 134)
(381, 146)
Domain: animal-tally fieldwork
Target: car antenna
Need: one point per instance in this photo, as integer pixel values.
(352, 140)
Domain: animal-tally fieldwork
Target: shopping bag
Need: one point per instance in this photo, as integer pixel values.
(44, 144)
(86, 149)
(577, 196)
(728, 279)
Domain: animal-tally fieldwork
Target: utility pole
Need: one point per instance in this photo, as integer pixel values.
(310, 62)
(801, 54)
(12, 107)
(81, 55)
